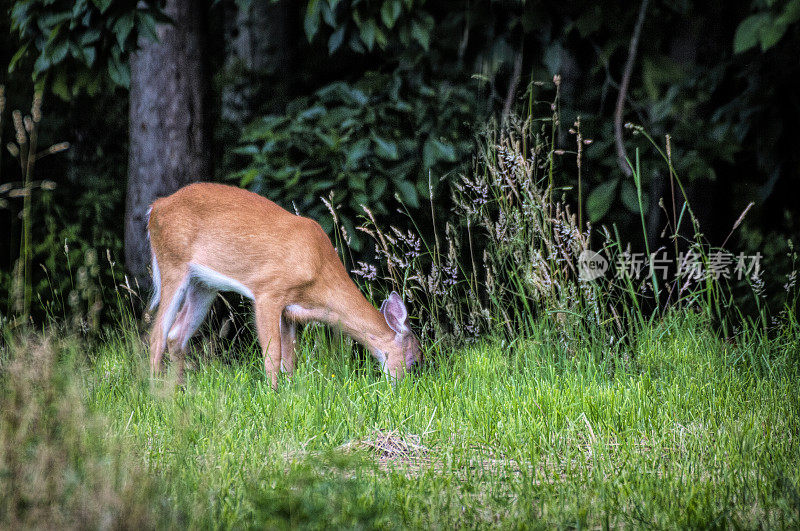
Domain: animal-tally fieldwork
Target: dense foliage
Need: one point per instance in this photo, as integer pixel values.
(355, 143)
(81, 45)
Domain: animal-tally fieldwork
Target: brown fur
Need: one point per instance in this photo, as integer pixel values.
(282, 258)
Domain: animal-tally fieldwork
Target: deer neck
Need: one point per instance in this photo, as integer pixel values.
(352, 314)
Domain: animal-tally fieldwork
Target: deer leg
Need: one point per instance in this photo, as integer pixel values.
(288, 344)
(194, 310)
(173, 291)
(268, 326)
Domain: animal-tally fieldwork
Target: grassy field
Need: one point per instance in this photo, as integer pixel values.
(681, 429)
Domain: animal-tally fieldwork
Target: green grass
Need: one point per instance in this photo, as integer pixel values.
(681, 430)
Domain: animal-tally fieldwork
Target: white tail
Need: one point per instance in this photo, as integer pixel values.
(207, 238)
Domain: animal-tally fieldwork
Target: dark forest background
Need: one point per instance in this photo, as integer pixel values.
(378, 103)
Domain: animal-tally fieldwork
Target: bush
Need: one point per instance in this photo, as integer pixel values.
(357, 144)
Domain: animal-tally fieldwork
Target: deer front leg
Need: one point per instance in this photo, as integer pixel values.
(268, 326)
(288, 344)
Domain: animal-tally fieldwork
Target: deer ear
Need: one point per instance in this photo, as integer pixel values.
(395, 313)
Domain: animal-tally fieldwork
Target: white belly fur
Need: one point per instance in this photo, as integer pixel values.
(217, 281)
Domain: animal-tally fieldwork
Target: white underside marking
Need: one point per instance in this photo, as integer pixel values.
(217, 281)
(199, 279)
(381, 357)
(156, 274)
(297, 313)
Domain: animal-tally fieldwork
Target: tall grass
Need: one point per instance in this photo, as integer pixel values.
(25, 150)
(511, 251)
(58, 466)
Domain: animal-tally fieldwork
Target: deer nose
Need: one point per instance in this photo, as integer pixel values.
(414, 366)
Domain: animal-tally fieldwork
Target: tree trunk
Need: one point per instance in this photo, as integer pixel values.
(260, 47)
(169, 137)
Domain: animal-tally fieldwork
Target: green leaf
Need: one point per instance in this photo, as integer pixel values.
(357, 151)
(122, 28)
(58, 52)
(358, 96)
(377, 186)
(408, 193)
(356, 45)
(435, 150)
(600, 199)
(313, 112)
(102, 5)
(60, 87)
(247, 176)
(249, 149)
(368, 29)
(629, 197)
(770, 35)
(318, 186)
(47, 21)
(749, 32)
(552, 58)
(380, 37)
(773, 32)
(78, 8)
(20, 17)
(385, 149)
(147, 26)
(90, 82)
(390, 12)
(420, 34)
(791, 13)
(335, 40)
(17, 56)
(89, 36)
(119, 72)
(89, 55)
(445, 151)
(312, 19)
(328, 14)
(358, 182)
(42, 63)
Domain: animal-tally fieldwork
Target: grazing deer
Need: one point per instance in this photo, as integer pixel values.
(208, 237)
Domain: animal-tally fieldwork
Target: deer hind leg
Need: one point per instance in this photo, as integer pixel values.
(173, 293)
(195, 308)
(268, 326)
(288, 344)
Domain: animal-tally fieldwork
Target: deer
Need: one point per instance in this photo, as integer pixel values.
(206, 238)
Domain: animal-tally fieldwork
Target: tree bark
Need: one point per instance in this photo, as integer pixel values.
(260, 48)
(169, 136)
